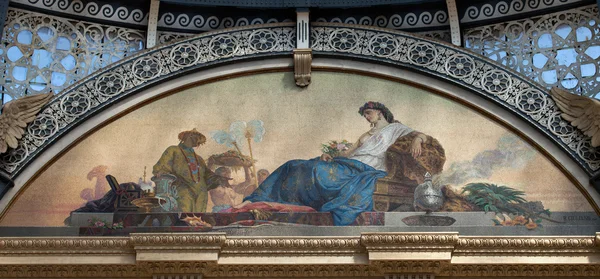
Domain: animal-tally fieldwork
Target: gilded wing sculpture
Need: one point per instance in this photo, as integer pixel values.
(16, 115)
(583, 112)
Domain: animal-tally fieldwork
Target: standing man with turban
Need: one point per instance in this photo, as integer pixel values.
(194, 178)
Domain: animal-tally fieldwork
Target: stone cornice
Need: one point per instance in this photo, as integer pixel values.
(409, 246)
(294, 245)
(367, 242)
(65, 245)
(393, 241)
(161, 247)
(371, 254)
(177, 240)
(527, 244)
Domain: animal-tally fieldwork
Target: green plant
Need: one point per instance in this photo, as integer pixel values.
(506, 201)
(491, 197)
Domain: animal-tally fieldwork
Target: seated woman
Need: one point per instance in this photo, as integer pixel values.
(342, 185)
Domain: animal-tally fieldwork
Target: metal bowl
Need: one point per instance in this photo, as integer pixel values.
(146, 204)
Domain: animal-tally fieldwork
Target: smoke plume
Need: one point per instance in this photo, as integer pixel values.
(510, 152)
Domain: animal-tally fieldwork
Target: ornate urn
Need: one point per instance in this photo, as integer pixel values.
(428, 198)
(166, 191)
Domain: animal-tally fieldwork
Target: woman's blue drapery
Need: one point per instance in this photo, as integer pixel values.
(343, 187)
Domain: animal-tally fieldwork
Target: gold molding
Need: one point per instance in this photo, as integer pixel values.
(527, 250)
(146, 270)
(370, 255)
(293, 245)
(528, 243)
(386, 241)
(293, 250)
(178, 240)
(65, 245)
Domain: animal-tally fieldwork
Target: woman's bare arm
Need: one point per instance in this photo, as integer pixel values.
(416, 146)
(353, 148)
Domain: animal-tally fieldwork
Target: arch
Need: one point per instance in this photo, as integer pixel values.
(524, 99)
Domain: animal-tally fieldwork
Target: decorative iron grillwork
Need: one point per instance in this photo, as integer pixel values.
(555, 50)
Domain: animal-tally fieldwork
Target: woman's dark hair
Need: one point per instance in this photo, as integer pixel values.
(387, 114)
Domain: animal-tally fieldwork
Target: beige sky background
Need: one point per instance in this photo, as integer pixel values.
(297, 122)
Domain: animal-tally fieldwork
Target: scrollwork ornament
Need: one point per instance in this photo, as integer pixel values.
(167, 37)
(124, 77)
(90, 8)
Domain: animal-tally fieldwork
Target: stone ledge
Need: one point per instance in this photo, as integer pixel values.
(368, 249)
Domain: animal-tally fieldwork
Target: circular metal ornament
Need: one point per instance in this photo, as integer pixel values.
(75, 103)
(383, 45)
(496, 82)
(559, 127)
(223, 45)
(263, 40)
(459, 66)
(184, 55)
(345, 40)
(589, 153)
(110, 84)
(531, 101)
(43, 127)
(146, 68)
(15, 156)
(422, 53)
